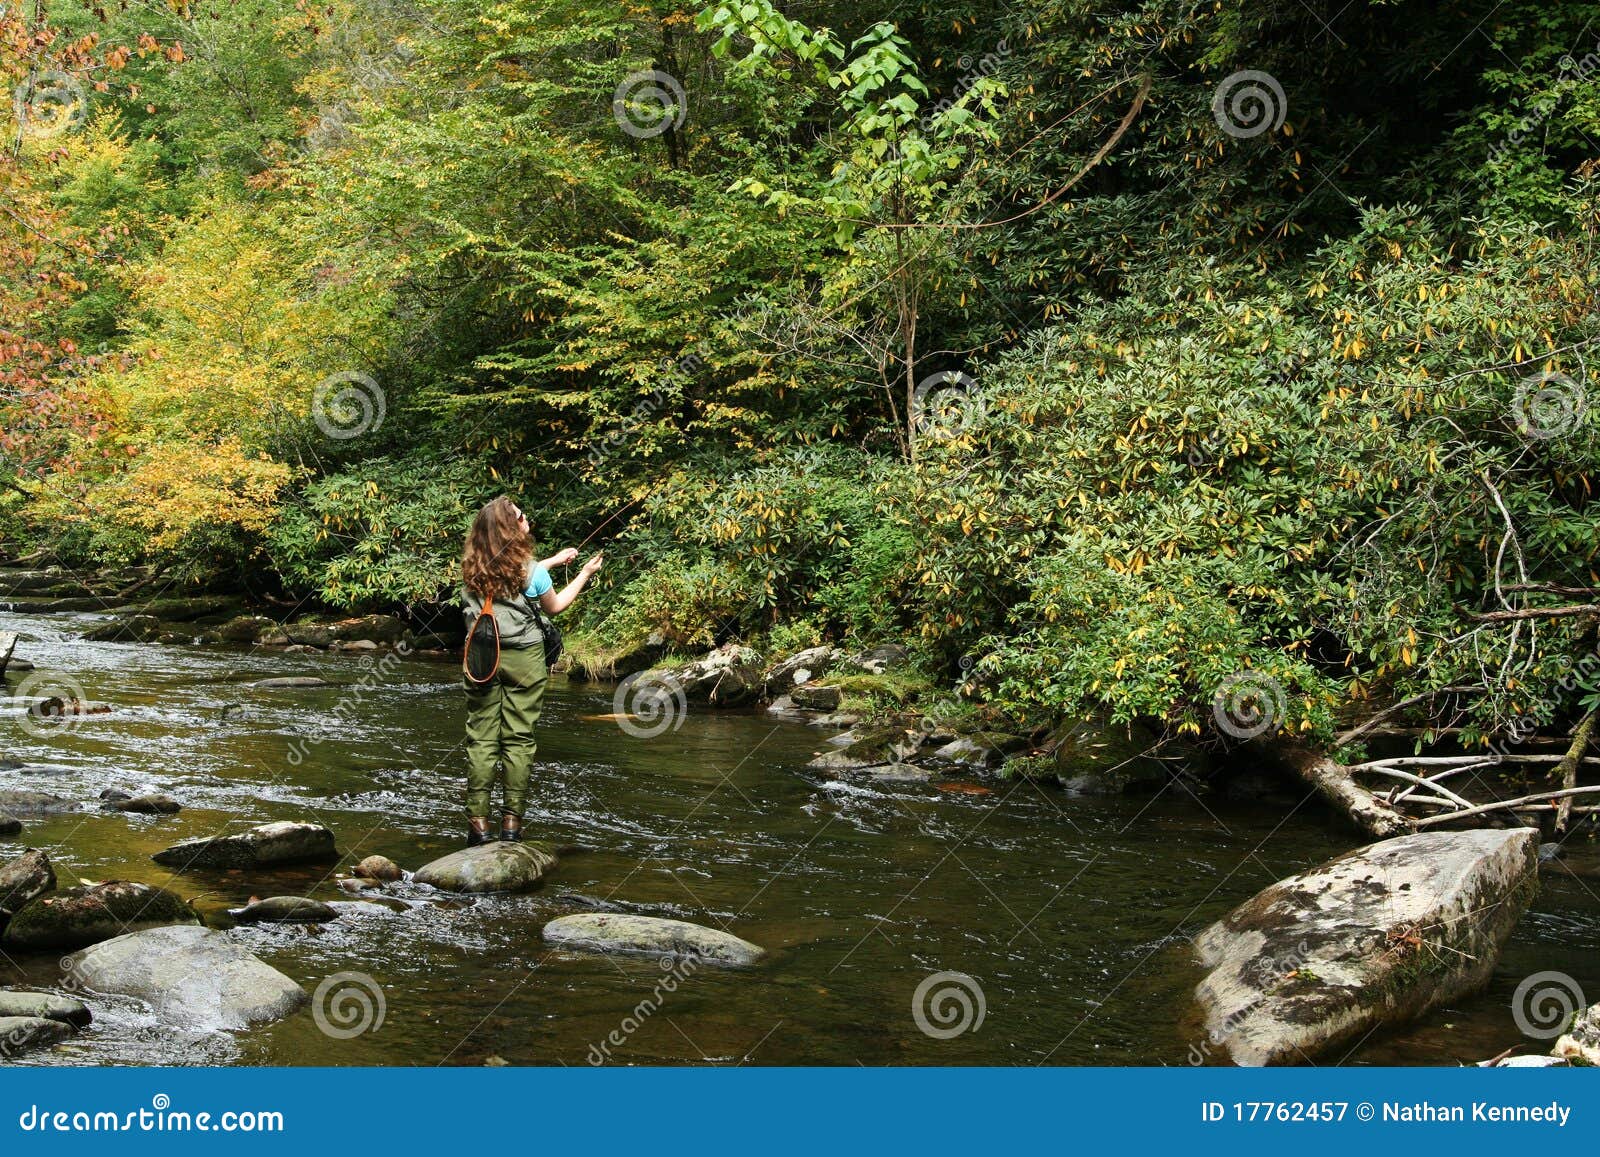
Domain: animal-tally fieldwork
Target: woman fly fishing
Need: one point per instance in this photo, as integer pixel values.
(505, 597)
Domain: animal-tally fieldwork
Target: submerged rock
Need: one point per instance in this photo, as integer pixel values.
(20, 1033)
(59, 707)
(9, 825)
(285, 842)
(191, 976)
(91, 913)
(285, 681)
(36, 802)
(496, 867)
(618, 932)
(129, 629)
(1581, 1042)
(378, 868)
(284, 910)
(45, 1006)
(149, 805)
(1377, 936)
(24, 880)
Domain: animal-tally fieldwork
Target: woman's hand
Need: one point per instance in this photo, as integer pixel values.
(563, 557)
(593, 564)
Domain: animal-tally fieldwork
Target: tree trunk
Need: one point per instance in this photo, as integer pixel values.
(1334, 783)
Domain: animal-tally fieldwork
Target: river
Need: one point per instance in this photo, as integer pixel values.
(1071, 916)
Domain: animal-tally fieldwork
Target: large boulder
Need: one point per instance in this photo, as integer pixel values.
(817, 696)
(91, 913)
(20, 1033)
(45, 1006)
(245, 628)
(620, 932)
(980, 749)
(495, 867)
(186, 608)
(384, 629)
(1377, 936)
(726, 677)
(285, 842)
(22, 881)
(192, 977)
(877, 660)
(1106, 759)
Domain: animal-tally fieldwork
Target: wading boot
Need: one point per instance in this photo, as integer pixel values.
(511, 829)
(477, 832)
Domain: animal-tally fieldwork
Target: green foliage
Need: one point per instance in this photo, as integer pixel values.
(384, 533)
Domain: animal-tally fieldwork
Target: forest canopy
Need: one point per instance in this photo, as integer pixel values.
(1113, 353)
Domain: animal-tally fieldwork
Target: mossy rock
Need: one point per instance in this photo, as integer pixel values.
(1109, 759)
(87, 915)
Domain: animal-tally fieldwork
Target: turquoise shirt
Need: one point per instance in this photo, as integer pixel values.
(539, 582)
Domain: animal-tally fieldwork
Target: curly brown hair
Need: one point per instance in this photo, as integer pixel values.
(499, 548)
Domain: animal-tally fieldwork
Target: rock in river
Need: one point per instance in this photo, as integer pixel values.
(145, 805)
(36, 802)
(91, 913)
(45, 1006)
(285, 842)
(1377, 936)
(284, 910)
(192, 976)
(20, 1033)
(23, 880)
(378, 868)
(1581, 1042)
(9, 825)
(618, 932)
(497, 867)
(291, 681)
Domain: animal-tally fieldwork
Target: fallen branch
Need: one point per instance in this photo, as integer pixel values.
(1506, 804)
(1335, 784)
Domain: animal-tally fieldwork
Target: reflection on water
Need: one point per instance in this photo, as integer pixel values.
(1072, 915)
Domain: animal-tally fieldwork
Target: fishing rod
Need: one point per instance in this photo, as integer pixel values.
(607, 523)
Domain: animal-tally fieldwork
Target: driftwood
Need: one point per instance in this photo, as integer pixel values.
(1334, 783)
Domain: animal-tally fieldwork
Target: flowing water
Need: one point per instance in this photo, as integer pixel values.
(1071, 916)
